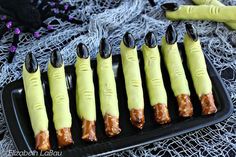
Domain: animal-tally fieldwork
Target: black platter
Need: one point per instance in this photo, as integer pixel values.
(17, 117)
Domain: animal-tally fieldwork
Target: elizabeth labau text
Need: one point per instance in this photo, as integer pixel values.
(34, 153)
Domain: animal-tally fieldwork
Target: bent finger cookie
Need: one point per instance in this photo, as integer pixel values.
(179, 83)
(85, 95)
(201, 12)
(60, 99)
(107, 89)
(231, 25)
(133, 83)
(35, 102)
(197, 66)
(156, 89)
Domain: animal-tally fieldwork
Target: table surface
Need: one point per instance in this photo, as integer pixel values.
(112, 19)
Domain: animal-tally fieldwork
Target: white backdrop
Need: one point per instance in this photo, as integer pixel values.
(112, 20)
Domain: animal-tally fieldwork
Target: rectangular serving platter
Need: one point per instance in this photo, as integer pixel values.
(18, 121)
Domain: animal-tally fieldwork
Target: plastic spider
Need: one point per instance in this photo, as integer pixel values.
(28, 16)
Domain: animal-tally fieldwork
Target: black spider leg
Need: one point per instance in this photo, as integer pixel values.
(47, 7)
(14, 44)
(43, 9)
(152, 3)
(63, 7)
(5, 27)
(3, 30)
(48, 27)
(48, 11)
(65, 17)
(58, 10)
(69, 19)
(9, 20)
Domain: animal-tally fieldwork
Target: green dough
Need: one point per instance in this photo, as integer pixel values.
(60, 98)
(152, 65)
(208, 2)
(133, 82)
(203, 12)
(35, 100)
(107, 86)
(197, 66)
(231, 25)
(85, 95)
(173, 62)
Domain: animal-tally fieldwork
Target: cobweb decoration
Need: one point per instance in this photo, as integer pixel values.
(112, 19)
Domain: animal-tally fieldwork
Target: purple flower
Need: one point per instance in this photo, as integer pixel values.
(9, 24)
(70, 17)
(50, 27)
(56, 11)
(12, 48)
(66, 6)
(17, 31)
(52, 4)
(36, 35)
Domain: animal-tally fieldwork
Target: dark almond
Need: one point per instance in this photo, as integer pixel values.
(82, 51)
(105, 48)
(191, 31)
(31, 63)
(129, 40)
(171, 35)
(56, 59)
(150, 40)
(170, 6)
